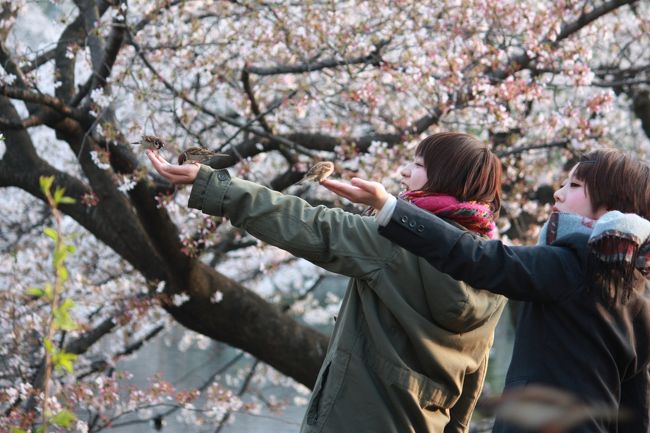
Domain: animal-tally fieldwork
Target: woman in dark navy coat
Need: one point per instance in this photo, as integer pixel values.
(585, 322)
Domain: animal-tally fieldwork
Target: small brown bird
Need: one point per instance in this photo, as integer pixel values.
(197, 155)
(319, 172)
(150, 142)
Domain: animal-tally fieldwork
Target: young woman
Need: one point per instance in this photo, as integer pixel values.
(410, 348)
(585, 325)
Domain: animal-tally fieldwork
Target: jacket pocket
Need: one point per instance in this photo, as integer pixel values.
(428, 393)
(327, 388)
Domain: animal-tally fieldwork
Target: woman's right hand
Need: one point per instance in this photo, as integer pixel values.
(176, 174)
(361, 191)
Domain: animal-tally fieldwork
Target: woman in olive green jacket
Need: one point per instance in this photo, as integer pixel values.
(410, 348)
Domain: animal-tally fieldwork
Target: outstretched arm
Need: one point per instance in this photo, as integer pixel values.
(535, 273)
(335, 240)
(542, 274)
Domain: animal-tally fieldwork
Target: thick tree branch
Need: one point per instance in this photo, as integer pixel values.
(99, 76)
(90, 14)
(45, 100)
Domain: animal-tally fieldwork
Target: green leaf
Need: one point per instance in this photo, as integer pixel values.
(60, 255)
(50, 232)
(63, 320)
(64, 419)
(39, 429)
(70, 248)
(67, 304)
(58, 194)
(63, 273)
(64, 360)
(67, 200)
(35, 291)
(46, 184)
(17, 430)
(49, 346)
(48, 290)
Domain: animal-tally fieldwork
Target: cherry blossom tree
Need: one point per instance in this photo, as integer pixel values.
(276, 86)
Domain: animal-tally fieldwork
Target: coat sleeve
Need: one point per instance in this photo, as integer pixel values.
(536, 273)
(635, 398)
(338, 241)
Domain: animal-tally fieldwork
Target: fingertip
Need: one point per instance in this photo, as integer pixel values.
(357, 181)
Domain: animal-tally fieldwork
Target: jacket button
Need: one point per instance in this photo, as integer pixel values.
(412, 224)
(405, 219)
(420, 228)
(222, 176)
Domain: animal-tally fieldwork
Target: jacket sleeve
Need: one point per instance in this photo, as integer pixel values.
(536, 273)
(635, 398)
(338, 241)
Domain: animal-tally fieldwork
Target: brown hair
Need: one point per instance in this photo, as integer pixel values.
(462, 166)
(615, 181)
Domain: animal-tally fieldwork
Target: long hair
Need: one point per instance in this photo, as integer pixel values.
(462, 166)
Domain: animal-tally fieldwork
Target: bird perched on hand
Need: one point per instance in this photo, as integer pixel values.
(151, 142)
(319, 172)
(197, 155)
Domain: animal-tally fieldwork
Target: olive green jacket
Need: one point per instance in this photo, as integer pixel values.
(410, 346)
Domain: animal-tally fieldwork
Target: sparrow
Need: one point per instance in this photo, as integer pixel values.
(546, 409)
(197, 155)
(150, 142)
(319, 172)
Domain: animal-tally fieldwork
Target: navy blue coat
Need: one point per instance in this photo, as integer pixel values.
(567, 336)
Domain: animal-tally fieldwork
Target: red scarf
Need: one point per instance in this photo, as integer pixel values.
(474, 216)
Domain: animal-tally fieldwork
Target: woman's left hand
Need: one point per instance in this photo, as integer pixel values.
(177, 174)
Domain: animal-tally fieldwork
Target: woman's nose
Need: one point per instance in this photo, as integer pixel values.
(557, 195)
(405, 171)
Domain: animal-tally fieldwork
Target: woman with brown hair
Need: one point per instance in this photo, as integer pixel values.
(585, 324)
(410, 348)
